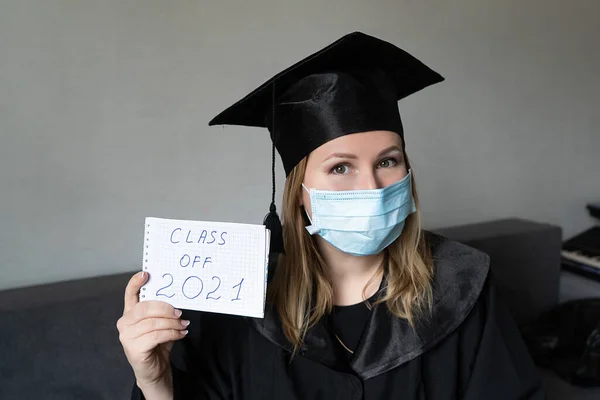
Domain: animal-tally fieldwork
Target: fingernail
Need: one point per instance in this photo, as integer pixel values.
(185, 322)
(184, 332)
(178, 313)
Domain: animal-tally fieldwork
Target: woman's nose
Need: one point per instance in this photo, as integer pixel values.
(368, 180)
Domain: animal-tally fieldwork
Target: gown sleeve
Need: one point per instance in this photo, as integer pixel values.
(198, 362)
(500, 365)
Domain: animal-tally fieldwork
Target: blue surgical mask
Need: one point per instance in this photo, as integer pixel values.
(361, 222)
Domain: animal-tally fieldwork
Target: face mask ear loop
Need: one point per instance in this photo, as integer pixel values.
(304, 207)
(307, 216)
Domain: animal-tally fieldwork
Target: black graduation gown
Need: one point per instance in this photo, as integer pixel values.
(469, 348)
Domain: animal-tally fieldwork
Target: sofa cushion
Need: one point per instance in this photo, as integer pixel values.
(64, 350)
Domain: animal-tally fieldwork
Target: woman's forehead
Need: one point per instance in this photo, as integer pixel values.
(360, 143)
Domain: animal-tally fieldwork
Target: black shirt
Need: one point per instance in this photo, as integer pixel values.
(348, 323)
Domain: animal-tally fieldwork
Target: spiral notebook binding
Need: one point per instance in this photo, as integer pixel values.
(145, 255)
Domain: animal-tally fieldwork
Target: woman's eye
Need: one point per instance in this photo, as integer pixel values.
(340, 169)
(387, 163)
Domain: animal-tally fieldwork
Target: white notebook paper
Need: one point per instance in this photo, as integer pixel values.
(207, 266)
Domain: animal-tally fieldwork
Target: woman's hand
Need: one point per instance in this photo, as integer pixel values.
(147, 331)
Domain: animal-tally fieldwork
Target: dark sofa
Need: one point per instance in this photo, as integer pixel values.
(59, 341)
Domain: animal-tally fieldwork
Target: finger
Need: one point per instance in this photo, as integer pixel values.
(150, 340)
(132, 290)
(156, 324)
(150, 309)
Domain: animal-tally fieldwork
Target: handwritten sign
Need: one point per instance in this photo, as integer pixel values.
(206, 266)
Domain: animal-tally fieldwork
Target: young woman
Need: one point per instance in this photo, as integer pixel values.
(362, 303)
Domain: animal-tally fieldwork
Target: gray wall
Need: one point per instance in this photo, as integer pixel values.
(104, 108)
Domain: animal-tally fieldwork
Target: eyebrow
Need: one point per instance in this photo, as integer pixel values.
(353, 156)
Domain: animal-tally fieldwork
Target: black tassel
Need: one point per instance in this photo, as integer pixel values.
(273, 223)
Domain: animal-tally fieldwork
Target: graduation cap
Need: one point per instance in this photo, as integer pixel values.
(352, 85)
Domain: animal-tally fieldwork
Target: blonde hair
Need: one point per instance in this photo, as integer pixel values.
(301, 289)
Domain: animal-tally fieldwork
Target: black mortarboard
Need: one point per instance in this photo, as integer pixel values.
(353, 85)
